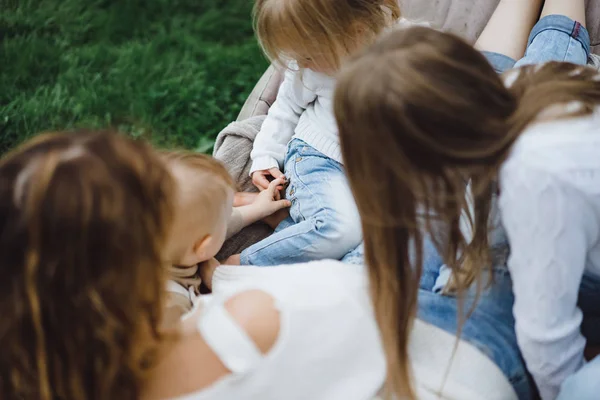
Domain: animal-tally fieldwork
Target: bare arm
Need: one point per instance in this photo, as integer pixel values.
(266, 203)
(189, 364)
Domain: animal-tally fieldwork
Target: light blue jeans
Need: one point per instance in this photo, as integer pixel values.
(553, 38)
(491, 326)
(324, 222)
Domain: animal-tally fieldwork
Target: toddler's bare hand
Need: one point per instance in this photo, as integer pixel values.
(269, 200)
(261, 179)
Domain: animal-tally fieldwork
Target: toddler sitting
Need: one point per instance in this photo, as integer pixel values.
(204, 218)
(310, 39)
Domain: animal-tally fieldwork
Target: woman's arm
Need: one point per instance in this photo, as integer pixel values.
(550, 228)
(507, 32)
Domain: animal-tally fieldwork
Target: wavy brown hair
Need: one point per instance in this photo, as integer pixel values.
(326, 31)
(84, 220)
(421, 113)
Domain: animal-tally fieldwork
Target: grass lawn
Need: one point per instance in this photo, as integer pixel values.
(172, 71)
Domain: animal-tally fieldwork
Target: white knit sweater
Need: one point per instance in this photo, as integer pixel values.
(303, 110)
(550, 208)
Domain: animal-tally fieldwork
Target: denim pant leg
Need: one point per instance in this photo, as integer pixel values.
(356, 256)
(490, 327)
(432, 264)
(553, 38)
(500, 62)
(589, 303)
(432, 274)
(557, 38)
(584, 384)
(325, 220)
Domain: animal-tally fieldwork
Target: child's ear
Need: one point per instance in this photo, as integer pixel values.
(202, 246)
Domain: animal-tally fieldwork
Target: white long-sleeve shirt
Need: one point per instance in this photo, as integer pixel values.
(303, 110)
(550, 208)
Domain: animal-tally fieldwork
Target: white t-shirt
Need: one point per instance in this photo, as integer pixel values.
(329, 346)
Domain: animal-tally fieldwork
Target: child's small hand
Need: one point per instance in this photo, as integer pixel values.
(261, 178)
(244, 198)
(268, 201)
(206, 270)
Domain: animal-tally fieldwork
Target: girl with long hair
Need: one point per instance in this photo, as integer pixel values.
(424, 118)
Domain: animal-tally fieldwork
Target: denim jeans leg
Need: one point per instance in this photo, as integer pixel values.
(326, 223)
(500, 62)
(356, 256)
(490, 327)
(432, 264)
(557, 38)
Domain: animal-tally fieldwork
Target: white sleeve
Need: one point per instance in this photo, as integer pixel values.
(550, 227)
(278, 128)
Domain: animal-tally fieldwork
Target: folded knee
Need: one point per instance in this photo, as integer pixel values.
(338, 235)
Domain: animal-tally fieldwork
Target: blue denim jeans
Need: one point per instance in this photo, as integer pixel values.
(324, 221)
(356, 256)
(583, 385)
(491, 325)
(553, 38)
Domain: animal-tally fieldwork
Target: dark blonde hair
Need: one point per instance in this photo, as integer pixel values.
(420, 114)
(84, 222)
(205, 190)
(324, 30)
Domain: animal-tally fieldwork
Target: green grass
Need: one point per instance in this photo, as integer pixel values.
(172, 71)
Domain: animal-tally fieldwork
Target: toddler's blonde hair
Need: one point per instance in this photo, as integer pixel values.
(208, 186)
(325, 31)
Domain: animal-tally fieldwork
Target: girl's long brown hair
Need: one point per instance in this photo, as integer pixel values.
(420, 114)
(84, 220)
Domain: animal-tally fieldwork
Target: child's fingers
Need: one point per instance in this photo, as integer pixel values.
(276, 173)
(260, 181)
(275, 185)
(279, 204)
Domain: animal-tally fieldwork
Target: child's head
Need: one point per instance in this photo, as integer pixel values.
(319, 34)
(85, 219)
(204, 199)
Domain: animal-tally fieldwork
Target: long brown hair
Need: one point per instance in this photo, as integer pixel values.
(326, 31)
(420, 114)
(84, 220)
